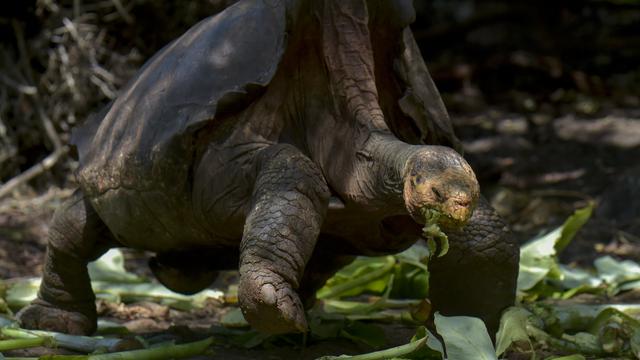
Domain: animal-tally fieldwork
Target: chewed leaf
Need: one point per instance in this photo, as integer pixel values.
(432, 232)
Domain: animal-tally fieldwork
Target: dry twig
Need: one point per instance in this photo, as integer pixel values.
(37, 169)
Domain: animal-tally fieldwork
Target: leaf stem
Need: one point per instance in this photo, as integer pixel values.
(390, 353)
(361, 280)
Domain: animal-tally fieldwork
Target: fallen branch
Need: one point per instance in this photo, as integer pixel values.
(44, 165)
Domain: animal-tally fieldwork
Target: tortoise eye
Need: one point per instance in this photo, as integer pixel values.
(419, 179)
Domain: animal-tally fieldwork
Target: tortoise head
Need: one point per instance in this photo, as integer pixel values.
(437, 178)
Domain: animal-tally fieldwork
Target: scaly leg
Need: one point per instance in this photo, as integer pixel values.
(478, 275)
(66, 302)
(289, 202)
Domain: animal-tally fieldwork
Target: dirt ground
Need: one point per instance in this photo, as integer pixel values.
(535, 167)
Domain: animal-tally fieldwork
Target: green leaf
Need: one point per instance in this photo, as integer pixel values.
(570, 357)
(513, 327)
(16, 344)
(432, 232)
(572, 225)
(234, 319)
(155, 292)
(614, 272)
(73, 342)
(577, 317)
(160, 352)
(325, 329)
(417, 252)
(631, 285)
(538, 258)
(576, 277)
(106, 327)
(110, 268)
(334, 306)
(363, 275)
(586, 342)
(465, 338)
(635, 343)
(21, 293)
(366, 333)
(434, 348)
(391, 353)
(410, 281)
(533, 270)
(250, 339)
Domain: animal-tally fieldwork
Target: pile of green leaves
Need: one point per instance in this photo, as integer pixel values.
(548, 319)
(111, 282)
(98, 348)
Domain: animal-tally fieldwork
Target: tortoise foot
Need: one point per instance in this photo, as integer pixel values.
(42, 316)
(271, 306)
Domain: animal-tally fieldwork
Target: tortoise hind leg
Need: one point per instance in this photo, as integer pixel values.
(189, 272)
(66, 302)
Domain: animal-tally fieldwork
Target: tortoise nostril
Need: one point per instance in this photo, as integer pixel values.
(463, 203)
(437, 193)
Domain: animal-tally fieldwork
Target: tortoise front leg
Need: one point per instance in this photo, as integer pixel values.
(66, 302)
(289, 203)
(478, 276)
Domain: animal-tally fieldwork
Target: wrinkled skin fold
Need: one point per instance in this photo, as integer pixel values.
(284, 150)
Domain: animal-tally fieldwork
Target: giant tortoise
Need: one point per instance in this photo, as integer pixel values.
(283, 138)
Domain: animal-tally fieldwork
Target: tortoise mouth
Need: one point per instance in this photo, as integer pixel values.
(434, 215)
(425, 203)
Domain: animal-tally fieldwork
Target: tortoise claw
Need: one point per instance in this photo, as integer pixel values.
(272, 306)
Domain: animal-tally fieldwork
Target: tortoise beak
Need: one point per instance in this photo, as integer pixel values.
(455, 205)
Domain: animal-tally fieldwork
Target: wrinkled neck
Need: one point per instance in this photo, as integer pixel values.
(381, 166)
(348, 54)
